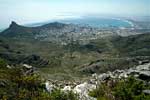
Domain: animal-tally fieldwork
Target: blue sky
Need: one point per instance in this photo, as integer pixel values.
(30, 11)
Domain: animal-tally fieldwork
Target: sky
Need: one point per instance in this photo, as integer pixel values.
(31, 11)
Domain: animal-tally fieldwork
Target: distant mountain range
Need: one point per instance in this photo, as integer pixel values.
(52, 32)
(15, 29)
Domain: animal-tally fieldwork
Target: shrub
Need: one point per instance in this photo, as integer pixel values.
(102, 92)
(15, 85)
(57, 94)
(129, 89)
(3, 63)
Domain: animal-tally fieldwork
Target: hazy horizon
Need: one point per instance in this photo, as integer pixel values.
(31, 11)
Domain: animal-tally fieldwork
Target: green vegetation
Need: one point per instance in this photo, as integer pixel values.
(16, 84)
(74, 60)
(59, 95)
(136, 45)
(3, 63)
(128, 89)
(131, 89)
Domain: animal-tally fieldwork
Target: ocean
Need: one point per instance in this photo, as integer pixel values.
(91, 21)
(100, 22)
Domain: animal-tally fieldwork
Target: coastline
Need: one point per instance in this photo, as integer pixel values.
(125, 20)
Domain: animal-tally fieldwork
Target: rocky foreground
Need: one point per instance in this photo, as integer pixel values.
(25, 83)
(140, 72)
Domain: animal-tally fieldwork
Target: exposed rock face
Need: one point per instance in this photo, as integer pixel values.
(141, 72)
(83, 90)
(49, 86)
(146, 92)
(66, 88)
(144, 67)
(103, 77)
(145, 75)
(13, 25)
(27, 66)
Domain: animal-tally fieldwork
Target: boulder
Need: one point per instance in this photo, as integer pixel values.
(83, 91)
(49, 86)
(103, 77)
(146, 92)
(27, 66)
(66, 88)
(143, 67)
(144, 75)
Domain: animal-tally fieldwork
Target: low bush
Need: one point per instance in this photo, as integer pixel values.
(129, 89)
(16, 85)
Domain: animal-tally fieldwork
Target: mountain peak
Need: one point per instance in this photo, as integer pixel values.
(13, 24)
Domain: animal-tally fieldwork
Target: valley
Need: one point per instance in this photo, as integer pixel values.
(58, 49)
